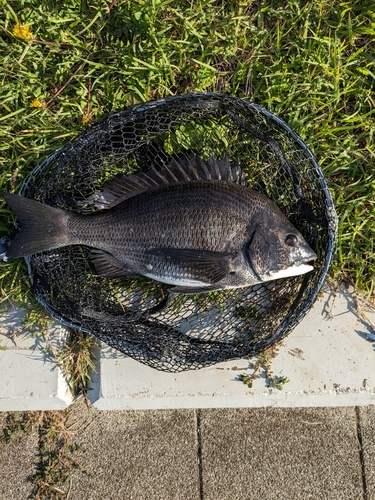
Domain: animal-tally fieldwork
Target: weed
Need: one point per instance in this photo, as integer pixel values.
(18, 423)
(76, 360)
(56, 461)
(262, 367)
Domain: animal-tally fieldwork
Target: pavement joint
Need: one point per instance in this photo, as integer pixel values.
(361, 457)
(199, 450)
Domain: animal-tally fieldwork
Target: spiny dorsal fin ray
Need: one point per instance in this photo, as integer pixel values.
(215, 168)
(179, 170)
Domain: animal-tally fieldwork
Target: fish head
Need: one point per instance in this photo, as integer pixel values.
(278, 250)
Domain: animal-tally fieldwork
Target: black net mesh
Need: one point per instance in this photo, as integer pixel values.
(134, 315)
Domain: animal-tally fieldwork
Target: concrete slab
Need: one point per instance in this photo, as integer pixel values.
(327, 359)
(141, 455)
(19, 461)
(367, 430)
(276, 453)
(30, 379)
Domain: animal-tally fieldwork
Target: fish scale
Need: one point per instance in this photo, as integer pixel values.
(209, 223)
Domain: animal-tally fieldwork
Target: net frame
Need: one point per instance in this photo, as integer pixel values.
(134, 315)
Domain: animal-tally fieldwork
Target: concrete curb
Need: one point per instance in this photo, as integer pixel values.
(30, 379)
(328, 360)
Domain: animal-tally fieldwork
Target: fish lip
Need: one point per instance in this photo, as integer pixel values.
(306, 256)
(303, 265)
(304, 262)
(295, 270)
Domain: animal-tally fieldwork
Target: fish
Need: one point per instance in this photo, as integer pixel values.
(193, 224)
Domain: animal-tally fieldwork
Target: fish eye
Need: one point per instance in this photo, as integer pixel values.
(291, 240)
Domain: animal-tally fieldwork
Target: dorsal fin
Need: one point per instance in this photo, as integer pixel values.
(179, 170)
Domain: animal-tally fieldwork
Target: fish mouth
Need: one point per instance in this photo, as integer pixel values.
(307, 255)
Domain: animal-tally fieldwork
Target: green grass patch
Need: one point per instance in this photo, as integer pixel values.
(66, 64)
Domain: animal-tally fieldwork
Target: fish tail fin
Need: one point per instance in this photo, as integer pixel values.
(42, 226)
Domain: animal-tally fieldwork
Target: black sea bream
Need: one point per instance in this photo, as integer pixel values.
(192, 224)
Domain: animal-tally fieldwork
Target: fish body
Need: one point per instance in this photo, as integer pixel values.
(193, 224)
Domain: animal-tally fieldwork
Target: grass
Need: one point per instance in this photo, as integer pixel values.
(67, 64)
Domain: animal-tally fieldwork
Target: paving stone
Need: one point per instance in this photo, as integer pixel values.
(367, 422)
(269, 453)
(282, 454)
(135, 455)
(19, 461)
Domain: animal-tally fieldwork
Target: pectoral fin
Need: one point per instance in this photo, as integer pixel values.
(107, 265)
(206, 266)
